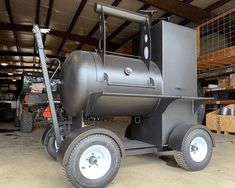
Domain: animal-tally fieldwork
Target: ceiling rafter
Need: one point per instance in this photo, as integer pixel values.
(61, 34)
(24, 62)
(5, 75)
(94, 29)
(10, 67)
(125, 24)
(179, 8)
(49, 12)
(210, 8)
(184, 22)
(48, 19)
(37, 17)
(8, 81)
(216, 5)
(167, 14)
(9, 11)
(72, 24)
(13, 53)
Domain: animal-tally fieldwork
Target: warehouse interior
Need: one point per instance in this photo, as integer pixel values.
(189, 42)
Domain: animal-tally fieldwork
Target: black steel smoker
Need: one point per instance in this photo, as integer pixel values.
(157, 89)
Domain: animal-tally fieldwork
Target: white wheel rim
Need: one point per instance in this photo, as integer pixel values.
(198, 149)
(95, 162)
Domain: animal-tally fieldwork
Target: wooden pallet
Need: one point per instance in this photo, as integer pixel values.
(221, 123)
(223, 132)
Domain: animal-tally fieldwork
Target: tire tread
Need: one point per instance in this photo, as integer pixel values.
(26, 122)
(180, 156)
(68, 171)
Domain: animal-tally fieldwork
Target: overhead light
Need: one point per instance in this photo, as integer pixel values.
(14, 80)
(10, 73)
(4, 64)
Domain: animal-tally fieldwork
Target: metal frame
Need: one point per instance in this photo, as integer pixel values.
(104, 11)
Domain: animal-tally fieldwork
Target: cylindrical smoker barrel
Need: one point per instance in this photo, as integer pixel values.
(88, 85)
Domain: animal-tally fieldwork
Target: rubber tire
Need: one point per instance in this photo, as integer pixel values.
(50, 147)
(201, 114)
(183, 157)
(49, 139)
(45, 135)
(17, 121)
(26, 122)
(72, 168)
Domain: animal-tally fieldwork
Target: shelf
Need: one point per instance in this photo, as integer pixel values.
(216, 59)
(228, 89)
(224, 102)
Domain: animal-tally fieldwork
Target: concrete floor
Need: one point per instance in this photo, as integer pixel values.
(25, 164)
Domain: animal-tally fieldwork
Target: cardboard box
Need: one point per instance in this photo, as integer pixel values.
(222, 83)
(232, 79)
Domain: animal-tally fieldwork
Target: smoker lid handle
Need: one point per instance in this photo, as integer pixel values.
(120, 13)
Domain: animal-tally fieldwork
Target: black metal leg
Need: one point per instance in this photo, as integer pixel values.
(77, 122)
